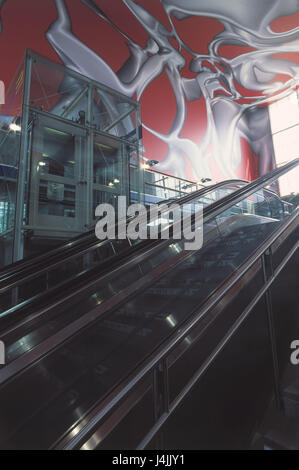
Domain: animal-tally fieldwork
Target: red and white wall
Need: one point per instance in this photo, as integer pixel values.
(204, 71)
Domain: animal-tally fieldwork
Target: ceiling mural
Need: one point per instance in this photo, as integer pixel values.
(204, 71)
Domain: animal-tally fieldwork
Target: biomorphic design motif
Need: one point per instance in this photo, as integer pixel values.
(245, 23)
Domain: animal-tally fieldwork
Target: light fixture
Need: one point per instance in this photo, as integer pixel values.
(14, 127)
(149, 164)
(116, 180)
(42, 164)
(110, 184)
(145, 166)
(153, 162)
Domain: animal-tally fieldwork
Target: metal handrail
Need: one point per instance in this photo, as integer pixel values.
(208, 212)
(130, 383)
(27, 269)
(53, 257)
(211, 358)
(226, 203)
(214, 209)
(151, 170)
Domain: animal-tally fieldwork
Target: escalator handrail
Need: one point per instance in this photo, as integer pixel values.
(10, 276)
(71, 441)
(231, 199)
(29, 267)
(208, 212)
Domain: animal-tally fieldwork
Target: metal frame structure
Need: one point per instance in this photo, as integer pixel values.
(45, 94)
(61, 115)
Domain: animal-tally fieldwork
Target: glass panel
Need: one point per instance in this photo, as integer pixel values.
(250, 228)
(158, 186)
(223, 408)
(58, 153)
(284, 243)
(107, 173)
(53, 164)
(177, 286)
(103, 197)
(56, 91)
(139, 409)
(9, 147)
(65, 189)
(197, 346)
(114, 115)
(106, 164)
(57, 199)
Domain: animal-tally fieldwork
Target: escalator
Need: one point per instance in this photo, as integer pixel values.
(34, 275)
(152, 346)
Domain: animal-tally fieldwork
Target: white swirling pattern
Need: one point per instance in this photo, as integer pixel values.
(245, 24)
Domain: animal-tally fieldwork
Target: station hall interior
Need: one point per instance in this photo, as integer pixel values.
(188, 112)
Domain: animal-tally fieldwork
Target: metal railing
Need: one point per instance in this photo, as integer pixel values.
(121, 267)
(158, 362)
(159, 357)
(126, 386)
(22, 271)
